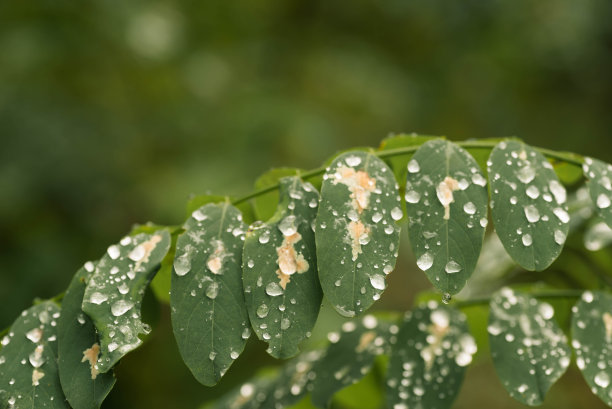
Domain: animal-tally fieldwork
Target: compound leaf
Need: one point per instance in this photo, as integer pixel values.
(78, 349)
(446, 202)
(209, 316)
(592, 341)
(28, 361)
(349, 357)
(528, 348)
(281, 286)
(114, 293)
(356, 232)
(528, 204)
(428, 360)
(598, 176)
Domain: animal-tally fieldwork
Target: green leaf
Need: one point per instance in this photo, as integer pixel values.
(265, 205)
(161, 283)
(281, 286)
(528, 204)
(293, 381)
(28, 368)
(209, 316)
(399, 163)
(428, 360)
(598, 176)
(349, 357)
(114, 293)
(528, 348)
(356, 232)
(446, 202)
(592, 341)
(78, 349)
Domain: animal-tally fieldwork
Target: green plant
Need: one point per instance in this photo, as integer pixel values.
(225, 274)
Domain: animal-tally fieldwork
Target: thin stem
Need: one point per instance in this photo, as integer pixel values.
(575, 160)
(552, 294)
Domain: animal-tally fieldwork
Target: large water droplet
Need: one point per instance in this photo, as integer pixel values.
(287, 226)
(603, 201)
(113, 252)
(526, 174)
(273, 289)
(378, 282)
(353, 161)
(527, 240)
(532, 214)
(425, 261)
(558, 191)
(469, 208)
(560, 237)
(98, 298)
(413, 166)
(36, 358)
(265, 237)
(182, 265)
(452, 267)
(478, 179)
(602, 379)
(533, 192)
(285, 323)
(262, 311)
(138, 253)
(120, 307)
(412, 196)
(561, 214)
(33, 335)
(396, 213)
(212, 290)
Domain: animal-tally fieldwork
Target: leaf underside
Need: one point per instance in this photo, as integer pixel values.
(446, 202)
(357, 237)
(209, 317)
(528, 204)
(281, 286)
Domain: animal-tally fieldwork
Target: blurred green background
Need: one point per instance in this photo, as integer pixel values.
(113, 113)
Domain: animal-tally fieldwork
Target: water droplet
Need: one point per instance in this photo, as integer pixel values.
(527, 240)
(484, 222)
(602, 379)
(36, 358)
(120, 307)
(469, 208)
(452, 267)
(526, 174)
(265, 237)
(98, 298)
(558, 191)
(212, 290)
(138, 253)
(418, 391)
(378, 282)
(212, 355)
(376, 217)
(425, 261)
(287, 226)
(123, 288)
(353, 161)
(396, 213)
(603, 201)
(463, 359)
(33, 335)
(250, 263)
(89, 267)
(234, 355)
(313, 203)
(478, 179)
(533, 192)
(446, 298)
(587, 296)
(522, 388)
(413, 166)
(546, 311)
(182, 265)
(246, 333)
(285, 323)
(412, 196)
(113, 252)
(560, 237)
(262, 311)
(198, 215)
(273, 289)
(561, 214)
(532, 214)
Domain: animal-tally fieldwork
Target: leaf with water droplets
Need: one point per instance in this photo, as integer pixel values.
(429, 358)
(528, 348)
(28, 368)
(265, 205)
(592, 341)
(356, 231)
(281, 287)
(598, 175)
(446, 202)
(114, 293)
(78, 349)
(528, 204)
(349, 357)
(209, 317)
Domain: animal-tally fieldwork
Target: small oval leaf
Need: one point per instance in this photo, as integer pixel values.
(114, 293)
(349, 357)
(209, 317)
(429, 359)
(592, 341)
(79, 348)
(528, 348)
(356, 232)
(281, 286)
(28, 369)
(598, 176)
(446, 202)
(528, 204)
